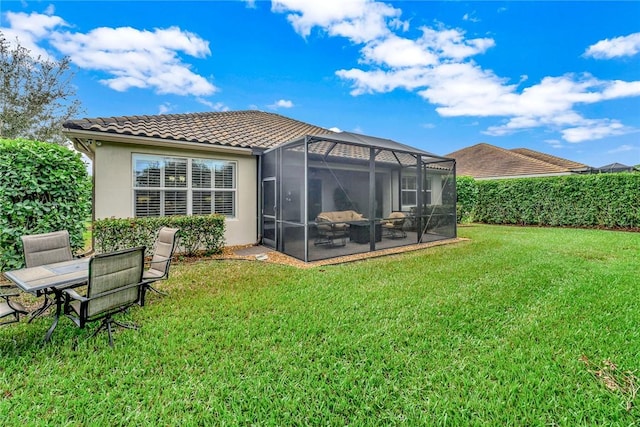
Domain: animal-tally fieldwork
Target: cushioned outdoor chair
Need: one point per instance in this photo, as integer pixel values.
(46, 248)
(10, 311)
(163, 249)
(394, 226)
(330, 230)
(115, 284)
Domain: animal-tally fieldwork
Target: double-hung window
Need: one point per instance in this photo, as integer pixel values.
(409, 192)
(183, 186)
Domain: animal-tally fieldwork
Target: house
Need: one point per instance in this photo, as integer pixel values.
(270, 175)
(615, 168)
(486, 161)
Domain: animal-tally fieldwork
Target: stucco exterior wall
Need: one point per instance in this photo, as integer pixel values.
(113, 181)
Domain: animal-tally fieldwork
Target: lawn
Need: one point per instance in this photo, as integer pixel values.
(517, 326)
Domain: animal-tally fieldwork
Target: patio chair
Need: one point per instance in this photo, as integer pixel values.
(115, 284)
(163, 250)
(394, 226)
(10, 310)
(46, 248)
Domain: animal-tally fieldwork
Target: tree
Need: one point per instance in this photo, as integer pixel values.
(36, 95)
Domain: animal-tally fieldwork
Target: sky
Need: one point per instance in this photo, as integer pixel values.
(558, 77)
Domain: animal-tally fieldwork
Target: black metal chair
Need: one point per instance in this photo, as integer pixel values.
(10, 310)
(163, 249)
(115, 284)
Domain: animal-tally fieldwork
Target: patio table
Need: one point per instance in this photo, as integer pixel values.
(56, 277)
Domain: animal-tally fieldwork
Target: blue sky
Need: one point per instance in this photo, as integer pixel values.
(558, 77)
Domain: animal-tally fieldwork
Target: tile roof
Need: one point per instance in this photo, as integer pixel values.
(488, 161)
(247, 129)
(569, 164)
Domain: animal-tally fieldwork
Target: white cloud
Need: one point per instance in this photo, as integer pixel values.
(555, 143)
(471, 17)
(616, 47)
(335, 129)
(130, 58)
(358, 20)
(437, 65)
(622, 149)
(165, 108)
(594, 129)
(214, 106)
(281, 103)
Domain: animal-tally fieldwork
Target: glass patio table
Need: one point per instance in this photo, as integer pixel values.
(54, 278)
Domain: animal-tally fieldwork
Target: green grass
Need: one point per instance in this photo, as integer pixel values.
(493, 331)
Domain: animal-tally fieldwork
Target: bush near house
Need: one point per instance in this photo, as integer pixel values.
(198, 233)
(43, 187)
(599, 200)
(467, 192)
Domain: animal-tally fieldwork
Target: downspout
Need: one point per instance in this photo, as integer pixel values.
(372, 199)
(306, 201)
(419, 198)
(259, 196)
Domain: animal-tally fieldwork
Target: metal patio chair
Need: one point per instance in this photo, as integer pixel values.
(46, 248)
(163, 249)
(10, 310)
(115, 284)
(394, 225)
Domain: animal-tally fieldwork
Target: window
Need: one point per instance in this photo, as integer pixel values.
(179, 186)
(409, 192)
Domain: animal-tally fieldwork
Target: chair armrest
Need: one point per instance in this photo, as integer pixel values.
(74, 295)
(85, 254)
(8, 291)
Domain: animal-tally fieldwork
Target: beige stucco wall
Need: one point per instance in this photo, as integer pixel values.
(113, 176)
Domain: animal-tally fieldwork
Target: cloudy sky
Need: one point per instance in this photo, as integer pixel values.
(558, 77)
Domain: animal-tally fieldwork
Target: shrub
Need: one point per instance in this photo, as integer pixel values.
(43, 187)
(467, 192)
(198, 233)
(599, 200)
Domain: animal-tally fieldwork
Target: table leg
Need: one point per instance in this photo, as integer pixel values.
(58, 298)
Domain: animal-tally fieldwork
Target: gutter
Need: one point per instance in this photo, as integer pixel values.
(83, 139)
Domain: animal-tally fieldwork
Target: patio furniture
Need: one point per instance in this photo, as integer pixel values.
(334, 225)
(42, 249)
(163, 250)
(360, 231)
(115, 284)
(53, 278)
(10, 310)
(394, 226)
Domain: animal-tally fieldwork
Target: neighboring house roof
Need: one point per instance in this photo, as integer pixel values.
(246, 129)
(558, 161)
(615, 167)
(488, 161)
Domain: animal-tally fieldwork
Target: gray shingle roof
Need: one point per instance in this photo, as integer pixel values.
(247, 129)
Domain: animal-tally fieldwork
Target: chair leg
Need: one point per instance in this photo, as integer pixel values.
(157, 291)
(40, 310)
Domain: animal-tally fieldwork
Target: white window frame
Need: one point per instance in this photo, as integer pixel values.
(189, 189)
(403, 191)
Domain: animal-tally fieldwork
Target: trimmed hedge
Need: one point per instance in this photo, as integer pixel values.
(599, 200)
(43, 187)
(467, 192)
(198, 233)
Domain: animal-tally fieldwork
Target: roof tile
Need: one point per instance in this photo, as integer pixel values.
(250, 129)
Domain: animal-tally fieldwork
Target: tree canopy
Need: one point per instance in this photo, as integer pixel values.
(36, 94)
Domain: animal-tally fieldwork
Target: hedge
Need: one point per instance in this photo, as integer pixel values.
(609, 200)
(198, 233)
(467, 192)
(43, 187)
